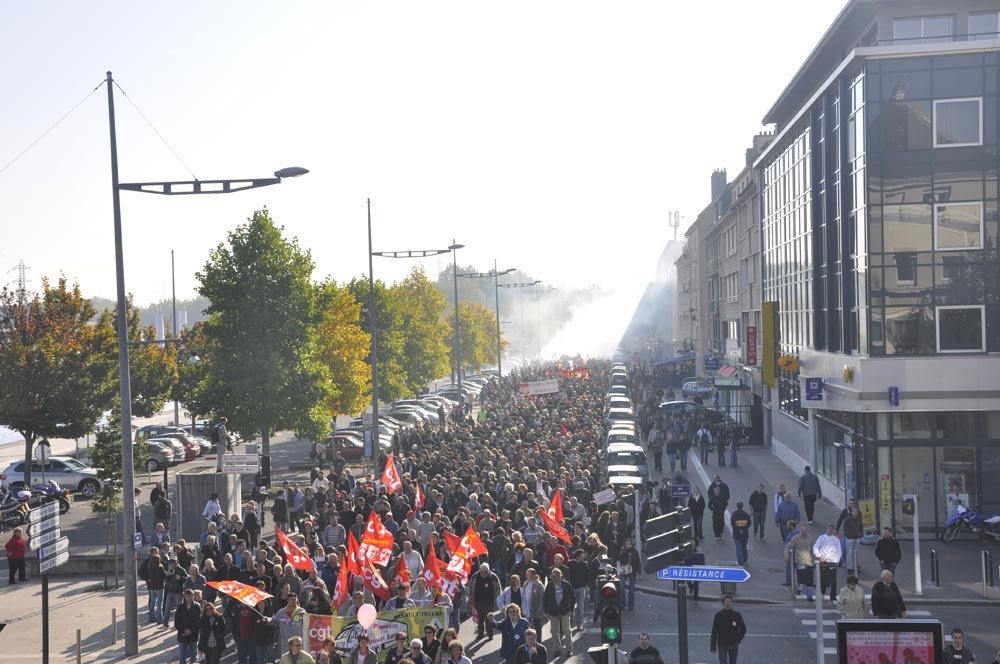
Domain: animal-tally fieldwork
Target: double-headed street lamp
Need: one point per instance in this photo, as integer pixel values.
(495, 276)
(522, 285)
(125, 389)
(409, 253)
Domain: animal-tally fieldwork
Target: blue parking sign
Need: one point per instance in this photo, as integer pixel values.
(814, 389)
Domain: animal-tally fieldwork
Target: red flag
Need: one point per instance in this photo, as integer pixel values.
(376, 544)
(464, 552)
(562, 428)
(452, 541)
(249, 595)
(431, 573)
(390, 476)
(553, 527)
(298, 558)
(341, 591)
(555, 507)
(402, 572)
(418, 500)
(352, 560)
(473, 544)
(375, 583)
(437, 577)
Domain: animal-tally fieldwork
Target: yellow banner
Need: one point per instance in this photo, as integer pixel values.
(382, 634)
(886, 494)
(867, 508)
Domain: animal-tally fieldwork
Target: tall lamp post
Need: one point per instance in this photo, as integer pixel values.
(125, 389)
(419, 253)
(495, 276)
(522, 284)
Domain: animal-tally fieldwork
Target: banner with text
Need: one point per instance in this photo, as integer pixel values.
(382, 634)
(540, 387)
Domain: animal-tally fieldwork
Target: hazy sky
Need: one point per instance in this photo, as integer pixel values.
(554, 136)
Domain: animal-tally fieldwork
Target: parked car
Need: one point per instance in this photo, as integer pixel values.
(621, 436)
(697, 388)
(159, 455)
(410, 417)
(615, 414)
(175, 444)
(620, 454)
(66, 471)
(625, 469)
(192, 450)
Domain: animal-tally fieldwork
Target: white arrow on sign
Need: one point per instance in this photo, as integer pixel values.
(45, 538)
(60, 545)
(40, 527)
(43, 512)
(60, 559)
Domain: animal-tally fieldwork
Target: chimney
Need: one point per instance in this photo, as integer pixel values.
(718, 183)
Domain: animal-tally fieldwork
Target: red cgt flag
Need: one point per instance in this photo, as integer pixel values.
(390, 476)
(297, 558)
(352, 561)
(341, 591)
(402, 572)
(553, 527)
(375, 582)
(418, 499)
(249, 595)
(376, 544)
(555, 507)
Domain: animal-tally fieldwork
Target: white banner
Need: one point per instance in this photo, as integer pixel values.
(540, 387)
(604, 497)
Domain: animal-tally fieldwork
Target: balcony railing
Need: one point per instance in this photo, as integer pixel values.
(937, 40)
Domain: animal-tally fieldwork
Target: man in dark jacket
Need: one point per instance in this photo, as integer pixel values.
(484, 588)
(186, 621)
(579, 578)
(887, 550)
(739, 521)
(887, 602)
(728, 630)
(758, 506)
(810, 492)
(532, 652)
(558, 602)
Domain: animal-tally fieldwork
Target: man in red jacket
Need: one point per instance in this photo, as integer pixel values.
(16, 548)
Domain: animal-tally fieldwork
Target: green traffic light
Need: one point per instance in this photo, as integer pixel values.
(612, 633)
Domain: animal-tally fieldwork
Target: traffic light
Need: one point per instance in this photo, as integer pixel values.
(611, 610)
(671, 544)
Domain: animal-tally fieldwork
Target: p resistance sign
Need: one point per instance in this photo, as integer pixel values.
(703, 573)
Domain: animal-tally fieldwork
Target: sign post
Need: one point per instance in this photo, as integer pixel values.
(53, 551)
(240, 464)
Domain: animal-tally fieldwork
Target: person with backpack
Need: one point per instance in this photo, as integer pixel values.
(704, 438)
(221, 440)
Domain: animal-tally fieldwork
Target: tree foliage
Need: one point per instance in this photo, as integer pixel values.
(58, 370)
(425, 353)
(264, 373)
(477, 334)
(342, 347)
(106, 455)
(390, 340)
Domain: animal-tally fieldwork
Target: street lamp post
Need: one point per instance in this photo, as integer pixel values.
(495, 276)
(419, 253)
(125, 389)
(458, 343)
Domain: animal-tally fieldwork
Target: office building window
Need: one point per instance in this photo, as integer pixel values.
(921, 29)
(906, 268)
(984, 25)
(961, 329)
(958, 226)
(958, 122)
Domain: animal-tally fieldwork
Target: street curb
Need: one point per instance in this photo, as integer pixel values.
(773, 602)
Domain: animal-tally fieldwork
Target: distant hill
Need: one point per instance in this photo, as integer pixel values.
(194, 308)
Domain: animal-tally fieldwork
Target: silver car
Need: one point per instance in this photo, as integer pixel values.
(66, 471)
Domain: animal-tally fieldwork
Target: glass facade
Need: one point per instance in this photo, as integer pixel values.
(932, 161)
(786, 240)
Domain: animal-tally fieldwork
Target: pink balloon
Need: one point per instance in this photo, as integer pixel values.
(366, 615)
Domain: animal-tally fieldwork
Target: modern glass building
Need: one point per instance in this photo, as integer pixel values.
(879, 229)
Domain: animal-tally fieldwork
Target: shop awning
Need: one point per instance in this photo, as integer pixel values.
(727, 371)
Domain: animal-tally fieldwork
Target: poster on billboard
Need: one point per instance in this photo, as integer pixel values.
(889, 642)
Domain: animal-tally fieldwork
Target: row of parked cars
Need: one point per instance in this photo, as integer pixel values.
(625, 459)
(405, 414)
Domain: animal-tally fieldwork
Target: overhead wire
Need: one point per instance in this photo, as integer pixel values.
(155, 131)
(46, 132)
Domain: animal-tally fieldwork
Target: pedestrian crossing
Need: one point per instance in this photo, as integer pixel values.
(807, 618)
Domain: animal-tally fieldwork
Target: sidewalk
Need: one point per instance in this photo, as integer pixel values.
(959, 562)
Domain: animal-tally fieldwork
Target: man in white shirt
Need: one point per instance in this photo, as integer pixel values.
(414, 563)
(827, 550)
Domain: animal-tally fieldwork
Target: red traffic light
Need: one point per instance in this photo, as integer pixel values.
(609, 591)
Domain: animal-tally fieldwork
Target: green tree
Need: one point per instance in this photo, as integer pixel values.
(58, 370)
(264, 375)
(477, 334)
(390, 340)
(342, 346)
(106, 455)
(425, 353)
(193, 360)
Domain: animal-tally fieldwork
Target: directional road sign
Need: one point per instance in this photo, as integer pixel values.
(681, 490)
(240, 464)
(60, 545)
(43, 512)
(703, 573)
(137, 540)
(45, 538)
(39, 527)
(50, 563)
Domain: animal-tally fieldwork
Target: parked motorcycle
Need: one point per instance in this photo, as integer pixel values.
(969, 520)
(13, 509)
(46, 493)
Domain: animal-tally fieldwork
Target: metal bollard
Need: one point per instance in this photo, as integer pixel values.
(114, 626)
(79, 649)
(935, 570)
(987, 569)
